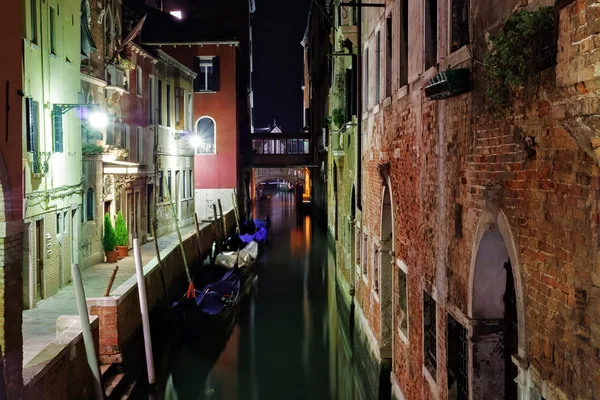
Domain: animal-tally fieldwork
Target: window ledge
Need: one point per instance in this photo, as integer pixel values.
(402, 92)
(54, 56)
(140, 96)
(430, 73)
(403, 337)
(455, 58)
(206, 92)
(431, 381)
(387, 102)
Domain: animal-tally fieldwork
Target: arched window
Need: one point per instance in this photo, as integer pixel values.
(90, 202)
(85, 11)
(206, 130)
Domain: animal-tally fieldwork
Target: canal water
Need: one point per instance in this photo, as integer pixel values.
(287, 341)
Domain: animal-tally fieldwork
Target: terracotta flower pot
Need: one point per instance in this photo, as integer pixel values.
(111, 256)
(123, 251)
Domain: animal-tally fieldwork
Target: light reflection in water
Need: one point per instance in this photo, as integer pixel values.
(289, 341)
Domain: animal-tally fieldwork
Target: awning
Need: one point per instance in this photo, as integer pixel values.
(87, 42)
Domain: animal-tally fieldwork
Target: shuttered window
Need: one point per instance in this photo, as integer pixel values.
(57, 131)
(32, 124)
(209, 74)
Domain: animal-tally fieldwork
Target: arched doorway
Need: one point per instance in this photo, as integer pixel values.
(386, 271)
(494, 308)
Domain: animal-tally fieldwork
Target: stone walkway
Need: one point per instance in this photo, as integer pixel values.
(39, 324)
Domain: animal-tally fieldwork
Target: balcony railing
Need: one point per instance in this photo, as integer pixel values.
(40, 164)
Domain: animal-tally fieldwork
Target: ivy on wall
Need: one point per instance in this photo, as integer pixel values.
(516, 56)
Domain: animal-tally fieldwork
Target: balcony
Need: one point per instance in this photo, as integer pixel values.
(281, 150)
(116, 78)
(40, 163)
(337, 144)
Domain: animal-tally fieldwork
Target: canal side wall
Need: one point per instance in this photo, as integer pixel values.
(62, 368)
(363, 342)
(119, 315)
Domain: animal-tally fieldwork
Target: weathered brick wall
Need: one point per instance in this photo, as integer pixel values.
(445, 153)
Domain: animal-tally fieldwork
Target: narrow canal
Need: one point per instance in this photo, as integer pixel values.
(287, 341)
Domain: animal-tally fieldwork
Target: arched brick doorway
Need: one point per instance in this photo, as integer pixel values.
(496, 308)
(386, 276)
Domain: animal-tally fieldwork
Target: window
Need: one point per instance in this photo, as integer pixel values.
(140, 144)
(57, 131)
(376, 264)
(138, 81)
(457, 361)
(59, 222)
(179, 96)
(169, 193)
(402, 302)
(32, 124)
(127, 137)
(151, 98)
(430, 334)
(388, 56)
(206, 130)
(65, 222)
(459, 24)
(191, 183)
(33, 20)
(190, 113)
(366, 79)
(208, 70)
(365, 243)
(378, 66)
(430, 33)
(168, 104)
(52, 31)
(108, 34)
(183, 184)
(161, 187)
(403, 59)
(90, 200)
(160, 102)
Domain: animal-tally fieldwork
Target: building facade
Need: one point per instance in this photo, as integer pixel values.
(51, 150)
(471, 272)
(220, 56)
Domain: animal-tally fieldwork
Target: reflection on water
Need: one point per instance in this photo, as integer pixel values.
(287, 341)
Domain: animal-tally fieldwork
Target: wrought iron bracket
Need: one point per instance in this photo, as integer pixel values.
(60, 109)
(123, 182)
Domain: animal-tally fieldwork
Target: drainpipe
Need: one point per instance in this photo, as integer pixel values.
(359, 111)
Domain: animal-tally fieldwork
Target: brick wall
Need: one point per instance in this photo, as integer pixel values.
(451, 152)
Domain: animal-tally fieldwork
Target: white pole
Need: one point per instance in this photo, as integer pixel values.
(88, 339)
(144, 311)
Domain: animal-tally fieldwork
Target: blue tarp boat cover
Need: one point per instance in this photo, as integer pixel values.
(260, 236)
(217, 296)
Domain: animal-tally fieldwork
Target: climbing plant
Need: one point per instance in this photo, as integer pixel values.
(515, 57)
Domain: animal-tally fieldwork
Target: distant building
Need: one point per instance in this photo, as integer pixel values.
(218, 50)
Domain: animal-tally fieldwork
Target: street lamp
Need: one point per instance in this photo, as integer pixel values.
(97, 119)
(195, 141)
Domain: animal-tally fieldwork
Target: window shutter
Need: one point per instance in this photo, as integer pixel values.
(348, 94)
(32, 125)
(216, 75)
(197, 70)
(57, 129)
(354, 83)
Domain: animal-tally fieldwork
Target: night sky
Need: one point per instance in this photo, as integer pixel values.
(278, 29)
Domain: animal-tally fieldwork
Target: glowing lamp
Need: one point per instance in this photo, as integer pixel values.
(98, 120)
(195, 141)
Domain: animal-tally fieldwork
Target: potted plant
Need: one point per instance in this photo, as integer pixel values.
(122, 236)
(110, 240)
